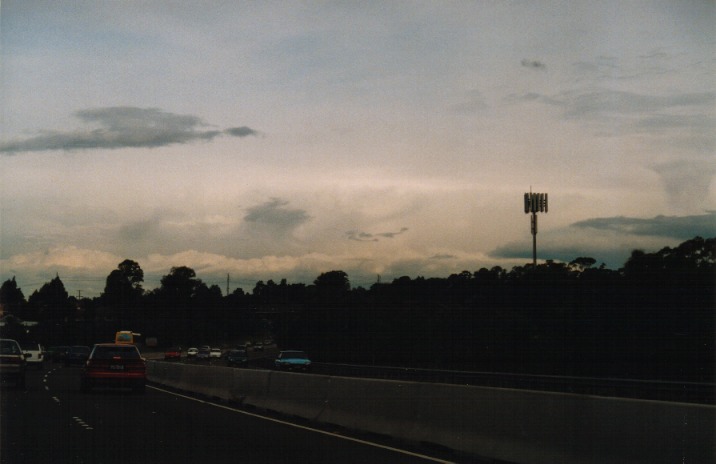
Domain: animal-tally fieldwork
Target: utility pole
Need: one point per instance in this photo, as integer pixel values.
(535, 203)
(227, 284)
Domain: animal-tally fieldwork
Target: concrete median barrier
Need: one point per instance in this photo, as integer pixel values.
(518, 426)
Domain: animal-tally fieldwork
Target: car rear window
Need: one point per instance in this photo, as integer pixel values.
(110, 352)
(30, 346)
(9, 347)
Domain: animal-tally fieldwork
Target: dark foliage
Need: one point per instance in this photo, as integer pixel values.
(653, 318)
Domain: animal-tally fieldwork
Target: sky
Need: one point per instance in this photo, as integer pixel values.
(279, 140)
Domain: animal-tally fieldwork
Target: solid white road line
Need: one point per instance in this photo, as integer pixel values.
(303, 427)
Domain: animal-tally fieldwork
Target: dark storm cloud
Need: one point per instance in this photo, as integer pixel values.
(533, 64)
(124, 127)
(683, 228)
(359, 236)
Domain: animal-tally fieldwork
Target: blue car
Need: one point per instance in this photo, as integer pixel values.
(292, 360)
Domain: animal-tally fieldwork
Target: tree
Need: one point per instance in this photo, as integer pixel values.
(582, 263)
(180, 284)
(333, 286)
(123, 290)
(11, 297)
(52, 301)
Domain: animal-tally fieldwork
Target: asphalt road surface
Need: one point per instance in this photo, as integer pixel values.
(52, 421)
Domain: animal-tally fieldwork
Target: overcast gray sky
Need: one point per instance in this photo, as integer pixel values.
(271, 140)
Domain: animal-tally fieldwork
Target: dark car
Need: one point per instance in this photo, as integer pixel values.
(59, 353)
(172, 353)
(12, 362)
(115, 365)
(238, 358)
(77, 355)
(204, 354)
(292, 360)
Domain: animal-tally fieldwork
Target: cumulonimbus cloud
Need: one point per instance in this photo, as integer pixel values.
(124, 127)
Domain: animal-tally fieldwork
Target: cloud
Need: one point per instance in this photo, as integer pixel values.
(443, 257)
(273, 215)
(610, 240)
(684, 120)
(682, 228)
(533, 64)
(124, 127)
(686, 181)
(474, 101)
(242, 131)
(608, 102)
(359, 236)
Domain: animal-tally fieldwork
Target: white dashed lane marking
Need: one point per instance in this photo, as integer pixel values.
(82, 423)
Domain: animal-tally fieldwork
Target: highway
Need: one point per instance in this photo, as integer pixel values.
(52, 421)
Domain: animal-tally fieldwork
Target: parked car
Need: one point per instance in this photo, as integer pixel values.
(215, 353)
(172, 353)
(59, 353)
(114, 365)
(292, 360)
(192, 352)
(77, 355)
(12, 362)
(203, 354)
(34, 354)
(238, 358)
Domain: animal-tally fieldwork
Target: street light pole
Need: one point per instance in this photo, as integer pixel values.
(535, 203)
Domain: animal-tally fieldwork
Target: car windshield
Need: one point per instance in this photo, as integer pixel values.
(238, 353)
(8, 347)
(110, 352)
(295, 355)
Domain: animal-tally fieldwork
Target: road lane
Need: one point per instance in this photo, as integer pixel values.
(52, 421)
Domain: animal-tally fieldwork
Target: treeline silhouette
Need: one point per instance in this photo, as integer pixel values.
(653, 318)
